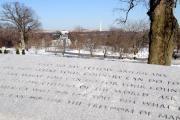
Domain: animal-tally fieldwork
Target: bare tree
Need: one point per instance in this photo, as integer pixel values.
(22, 17)
(90, 43)
(163, 28)
(78, 39)
(136, 33)
(39, 39)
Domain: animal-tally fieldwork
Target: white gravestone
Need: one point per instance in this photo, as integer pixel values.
(51, 88)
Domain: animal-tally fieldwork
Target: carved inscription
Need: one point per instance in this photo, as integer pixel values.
(97, 89)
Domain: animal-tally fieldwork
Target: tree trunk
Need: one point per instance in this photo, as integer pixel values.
(105, 52)
(26, 40)
(22, 40)
(163, 30)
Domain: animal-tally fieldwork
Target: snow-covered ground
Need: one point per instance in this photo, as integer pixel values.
(143, 53)
(141, 56)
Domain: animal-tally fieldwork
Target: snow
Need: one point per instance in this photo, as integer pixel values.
(143, 53)
(50, 88)
(64, 32)
(141, 56)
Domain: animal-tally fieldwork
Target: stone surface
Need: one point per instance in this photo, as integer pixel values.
(51, 88)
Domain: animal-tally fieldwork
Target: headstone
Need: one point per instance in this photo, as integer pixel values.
(52, 88)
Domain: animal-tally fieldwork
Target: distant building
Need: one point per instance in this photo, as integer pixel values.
(62, 39)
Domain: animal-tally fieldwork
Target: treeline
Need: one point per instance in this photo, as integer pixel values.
(116, 39)
(10, 37)
(119, 40)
